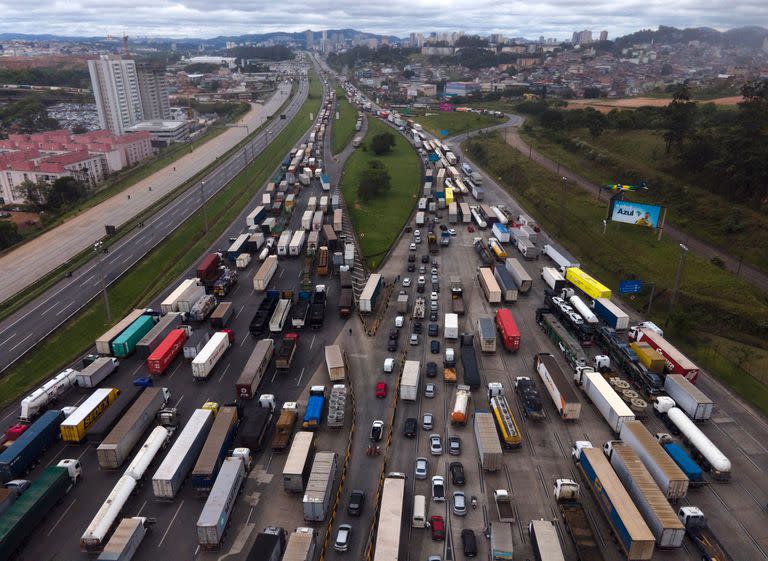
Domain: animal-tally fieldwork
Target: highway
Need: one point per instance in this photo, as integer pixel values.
(26, 327)
(735, 509)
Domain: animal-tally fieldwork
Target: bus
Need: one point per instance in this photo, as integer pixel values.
(390, 518)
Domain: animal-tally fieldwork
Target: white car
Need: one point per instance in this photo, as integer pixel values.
(412, 247)
(459, 503)
(451, 231)
(399, 320)
(407, 281)
(435, 444)
(430, 390)
(433, 296)
(343, 537)
(422, 467)
(417, 233)
(438, 488)
(426, 421)
(389, 365)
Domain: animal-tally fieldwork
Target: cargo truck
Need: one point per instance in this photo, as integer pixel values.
(648, 498)
(265, 273)
(665, 472)
(204, 363)
(214, 518)
(632, 534)
(686, 464)
(527, 248)
(508, 331)
(560, 390)
(502, 545)
(610, 313)
(529, 398)
(289, 414)
(489, 285)
(500, 231)
(451, 326)
(315, 406)
(487, 439)
(509, 433)
(156, 440)
(688, 397)
(96, 533)
(579, 525)
(701, 535)
(604, 397)
(649, 357)
(222, 315)
(280, 315)
(469, 361)
(588, 285)
(257, 417)
(460, 412)
(544, 540)
(300, 311)
(302, 543)
(171, 302)
(93, 374)
(334, 361)
(487, 335)
(419, 306)
(119, 443)
(195, 343)
(172, 472)
(268, 545)
(20, 456)
(562, 259)
(217, 445)
(33, 404)
(297, 242)
(319, 489)
(506, 284)
(74, 427)
(254, 369)
(101, 428)
(224, 284)
(104, 343)
(208, 269)
(457, 296)
(284, 241)
(26, 514)
(158, 333)
(299, 462)
(504, 508)
(553, 279)
(482, 249)
(370, 294)
(286, 350)
(264, 312)
(162, 357)
(317, 309)
(409, 380)
(519, 275)
(125, 541)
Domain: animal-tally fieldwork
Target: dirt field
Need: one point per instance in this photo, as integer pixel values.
(606, 105)
(24, 219)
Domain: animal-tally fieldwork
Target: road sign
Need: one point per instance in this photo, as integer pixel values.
(630, 286)
(444, 132)
(433, 157)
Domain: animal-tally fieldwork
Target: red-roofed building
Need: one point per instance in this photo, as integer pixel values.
(89, 157)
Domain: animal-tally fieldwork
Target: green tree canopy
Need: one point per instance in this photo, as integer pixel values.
(374, 181)
(382, 143)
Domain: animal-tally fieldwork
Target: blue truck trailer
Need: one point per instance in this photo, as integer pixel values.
(215, 449)
(688, 466)
(315, 405)
(16, 460)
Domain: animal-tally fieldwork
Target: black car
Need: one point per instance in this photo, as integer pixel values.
(408, 229)
(432, 330)
(418, 327)
(392, 345)
(443, 227)
(469, 543)
(425, 258)
(411, 425)
(411, 267)
(433, 315)
(431, 369)
(434, 347)
(356, 502)
(457, 473)
(411, 258)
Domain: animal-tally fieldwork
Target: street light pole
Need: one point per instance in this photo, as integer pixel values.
(97, 248)
(678, 277)
(202, 204)
(562, 205)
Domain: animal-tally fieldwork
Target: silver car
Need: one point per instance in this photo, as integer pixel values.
(459, 503)
(343, 537)
(435, 444)
(426, 421)
(422, 467)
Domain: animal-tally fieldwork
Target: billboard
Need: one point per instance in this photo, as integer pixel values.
(635, 213)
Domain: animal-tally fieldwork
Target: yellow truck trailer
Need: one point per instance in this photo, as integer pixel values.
(75, 426)
(586, 284)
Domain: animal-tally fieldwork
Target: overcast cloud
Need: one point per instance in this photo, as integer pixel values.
(210, 18)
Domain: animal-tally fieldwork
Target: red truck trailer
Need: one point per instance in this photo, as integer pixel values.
(510, 334)
(166, 351)
(208, 269)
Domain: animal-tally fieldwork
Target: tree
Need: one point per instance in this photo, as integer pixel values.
(592, 92)
(679, 117)
(36, 194)
(596, 123)
(552, 119)
(374, 181)
(9, 234)
(382, 143)
(65, 191)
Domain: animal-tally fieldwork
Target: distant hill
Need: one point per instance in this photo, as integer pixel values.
(747, 37)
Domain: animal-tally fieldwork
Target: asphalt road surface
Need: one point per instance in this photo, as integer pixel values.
(32, 323)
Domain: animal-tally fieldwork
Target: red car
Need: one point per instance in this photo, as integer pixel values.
(470, 228)
(381, 390)
(438, 528)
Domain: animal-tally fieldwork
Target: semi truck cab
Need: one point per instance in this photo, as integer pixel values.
(578, 446)
(73, 467)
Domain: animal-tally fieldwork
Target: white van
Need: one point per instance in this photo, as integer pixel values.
(419, 512)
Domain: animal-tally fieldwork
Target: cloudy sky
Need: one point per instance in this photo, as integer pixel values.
(210, 18)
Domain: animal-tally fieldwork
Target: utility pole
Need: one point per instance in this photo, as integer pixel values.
(202, 204)
(678, 277)
(562, 205)
(97, 248)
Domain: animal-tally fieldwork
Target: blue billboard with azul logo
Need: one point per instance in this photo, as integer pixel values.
(635, 213)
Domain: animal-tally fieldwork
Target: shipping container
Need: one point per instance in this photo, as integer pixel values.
(208, 268)
(302, 543)
(370, 293)
(677, 362)
(222, 315)
(519, 275)
(409, 380)
(633, 535)
(665, 472)
(561, 258)
(118, 444)
(124, 344)
(319, 489)
(688, 397)
(588, 285)
(487, 334)
(215, 449)
(195, 343)
(74, 427)
(510, 334)
(390, 519)
(489, 285)
(214, 518)
(247, 384)
(611, 314)
(264, 274)
(299, 462)
(206, 360)
(553, 279)
(334, 362)
(99, 430)
(611, 406)
(487, 439)
(649, 357)
(160, 331)
(171, 302)
(104, 343)
(172, 472)
(166, 352)
(96, 372)
(297, 242)
(125, 541)
(545, 541)
(559, 388)
(20, 456)
(193, 293)
(506, 284)
(237, 247)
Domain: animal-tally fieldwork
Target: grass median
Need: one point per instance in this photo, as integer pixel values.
(342, 129)
(160, 267)
(456, 122)
(711, 302)
(378, 222)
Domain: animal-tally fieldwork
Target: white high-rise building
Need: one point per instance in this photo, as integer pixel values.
(115, 85)
(153, 91)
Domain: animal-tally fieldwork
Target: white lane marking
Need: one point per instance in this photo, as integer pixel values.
(240, 310)
(4, 341)
(175, 368)
(171, 524)
(84, 451)
(141, 509)
(312, 342)
(20, 342)
(61, 517)
(300, 377)
(223, 373)
(243, 341)
(57, 455)
(88, 280)
(179, 401)
(64, 308)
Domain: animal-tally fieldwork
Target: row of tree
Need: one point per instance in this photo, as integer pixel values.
(28, 115)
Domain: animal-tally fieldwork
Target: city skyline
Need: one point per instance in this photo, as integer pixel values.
(192, 18)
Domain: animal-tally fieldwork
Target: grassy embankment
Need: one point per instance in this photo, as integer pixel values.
(715, 314)
(342, 129)
(164, 264)
(380, 221)
(626, 156)
(456, 122)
